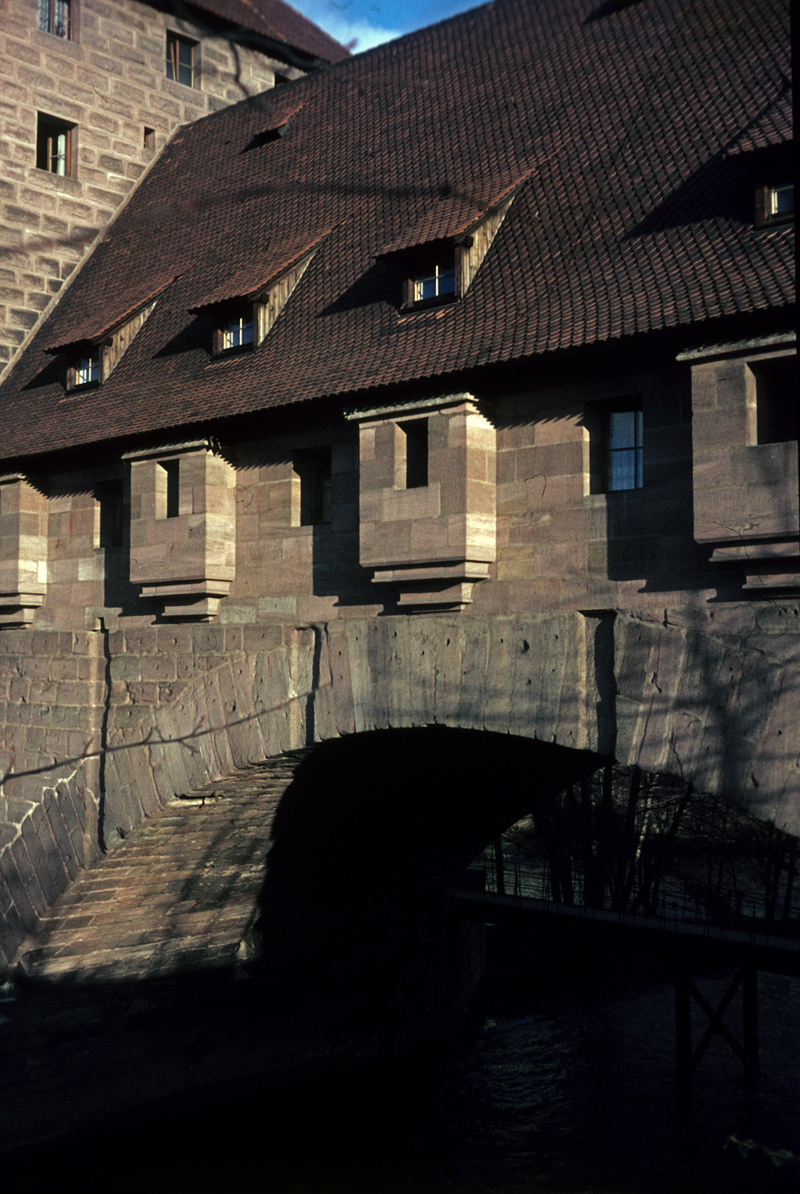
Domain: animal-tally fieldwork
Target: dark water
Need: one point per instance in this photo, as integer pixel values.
(561, 1099)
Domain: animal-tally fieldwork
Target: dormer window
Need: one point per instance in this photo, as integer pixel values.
(775, 204)
(435, 282)
(85, 370)
(236, 331)
(94, 347)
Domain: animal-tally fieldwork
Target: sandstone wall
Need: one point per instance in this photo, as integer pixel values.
(142, 715)
(109, 81)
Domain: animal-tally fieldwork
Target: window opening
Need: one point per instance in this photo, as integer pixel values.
(436, 283)
(776, 400)
(149, 138)
(168, 489)
(180, 59)
(87, 368)
(313, 467)
(624, 449)
(781, 200)
(55, 16)
(109, 497)
(237, 332)
(54, 145)
(415, 443)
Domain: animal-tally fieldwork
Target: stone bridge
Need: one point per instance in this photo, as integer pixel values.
(146, 714)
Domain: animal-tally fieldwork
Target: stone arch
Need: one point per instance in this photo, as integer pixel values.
(366, 840)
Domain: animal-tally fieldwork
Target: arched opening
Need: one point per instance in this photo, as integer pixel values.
(367, 840)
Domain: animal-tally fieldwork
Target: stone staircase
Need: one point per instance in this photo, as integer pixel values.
(130, 991)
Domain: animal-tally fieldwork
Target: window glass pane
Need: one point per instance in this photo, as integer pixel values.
(782, 200)
(237, 332)
(61, 18)
(60, 154)
(44, 15)
(87, 370)
(622, 429)
(447, 281)
(625, 450)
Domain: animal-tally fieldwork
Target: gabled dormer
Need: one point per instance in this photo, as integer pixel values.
(442, 249)
(245, 306)
(98, 342)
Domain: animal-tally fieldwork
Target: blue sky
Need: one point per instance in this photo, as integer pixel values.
(371, 22)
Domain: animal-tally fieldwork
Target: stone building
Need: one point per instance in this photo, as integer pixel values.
(454, 383)
(90, 93)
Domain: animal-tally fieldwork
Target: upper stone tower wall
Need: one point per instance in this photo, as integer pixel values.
(99, 82)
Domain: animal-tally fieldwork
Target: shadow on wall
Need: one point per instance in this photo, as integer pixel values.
(366, 841)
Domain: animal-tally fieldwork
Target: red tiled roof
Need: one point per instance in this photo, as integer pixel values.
(278, 21)
(99, 321)
(453, 214)
(261, 271)
(636, 217)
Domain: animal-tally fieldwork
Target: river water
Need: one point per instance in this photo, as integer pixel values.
(564, 1089)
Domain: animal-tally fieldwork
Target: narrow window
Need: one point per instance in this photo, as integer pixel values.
(624, 449)
(437, 282)
(413, 445)
(110, 522)
(237, 331)
(54, 145)
(776, 400)
(168, 489)
(180, 59)
(55, 16)
(313, 467)
(149, 138)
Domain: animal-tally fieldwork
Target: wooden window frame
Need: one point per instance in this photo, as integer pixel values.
(48, 129)
(173, 62)
(94, 354)
(766, 216)
(247, 319)
(48, 23)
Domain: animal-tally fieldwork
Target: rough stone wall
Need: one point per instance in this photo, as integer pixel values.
(104, 728)
(109, 81)
(51, 724)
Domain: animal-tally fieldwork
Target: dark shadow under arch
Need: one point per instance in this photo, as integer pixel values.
(367, 839)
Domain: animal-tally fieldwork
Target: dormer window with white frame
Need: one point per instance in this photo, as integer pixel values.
(775, 204)
(95, 348)
(236, 330)
(86, 369)
(243, 309)
(437, 281)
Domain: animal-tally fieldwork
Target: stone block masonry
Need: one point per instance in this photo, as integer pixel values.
(103, 728)
(105, 89)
